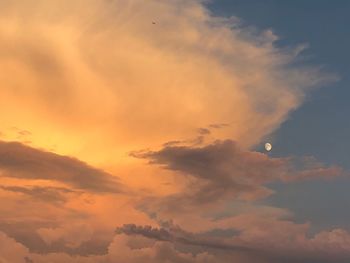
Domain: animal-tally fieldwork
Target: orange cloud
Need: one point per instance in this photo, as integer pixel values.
(87, 74)
(86, 82)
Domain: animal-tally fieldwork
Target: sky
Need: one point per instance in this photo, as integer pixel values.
(318, 127)
(133, 131)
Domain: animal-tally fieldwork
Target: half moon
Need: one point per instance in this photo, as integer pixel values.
(268, 146)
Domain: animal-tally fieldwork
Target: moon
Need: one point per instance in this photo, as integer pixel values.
(268, 146)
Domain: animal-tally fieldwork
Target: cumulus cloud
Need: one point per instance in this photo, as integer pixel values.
(44, 191)
(100, 73)
(73, 235)
(97, 79)
(327, 246)
(136, 244)
(49, 237)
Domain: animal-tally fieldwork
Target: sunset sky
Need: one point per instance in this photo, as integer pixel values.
(133, 131)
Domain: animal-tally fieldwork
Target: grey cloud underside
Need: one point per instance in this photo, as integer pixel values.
(226, 247)
(28, 260)
(218, 125)
(24, 162)
(177, 235)
(220, 162)
(215, 172)
(203, 131)
(26, 233)
(45, 194)
(220, 172)
(219, 168)
(223, 170)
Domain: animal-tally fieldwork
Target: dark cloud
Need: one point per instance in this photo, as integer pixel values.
(196, 141)
(175, 234)
(170, 143)
(220, 162)
(44, 194)
(218, 170)
(226, 247)
(222, 171)
(26, 233)
(21, 132)
(24, 162)
(28, 260)
(147, 231)
(218, 125)
(203, 131)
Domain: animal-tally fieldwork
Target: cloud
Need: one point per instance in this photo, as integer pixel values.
(203, 131)
(218, 125)
(44, 194)
(24, 162)
(28, 260)
(39, 185)
(100, 73)
(223, 171)
(74, 235)
(11, 251)
(137, 244)
(97, 79)
(49, 237)
(177, 235)
(266, 244)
